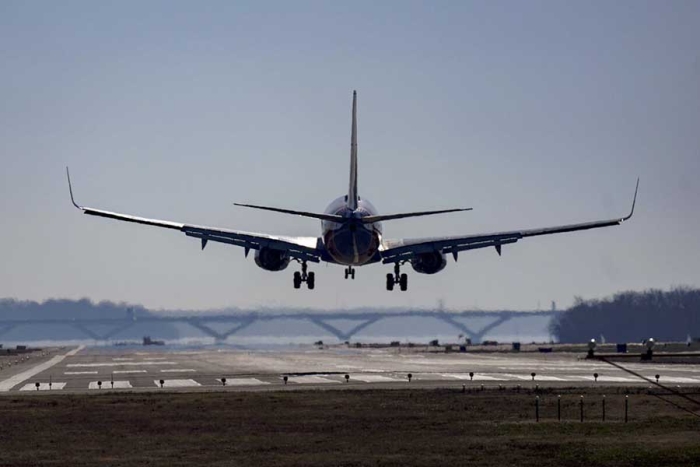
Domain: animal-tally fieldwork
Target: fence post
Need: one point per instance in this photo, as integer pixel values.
(627, 405)
(581, 405)
(603, 407)
(559, 408)
(537, 408)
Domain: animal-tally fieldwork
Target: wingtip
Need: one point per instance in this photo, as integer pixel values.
(634, 201)
(70, 189)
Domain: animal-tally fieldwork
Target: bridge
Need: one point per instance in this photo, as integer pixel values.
(104, 329)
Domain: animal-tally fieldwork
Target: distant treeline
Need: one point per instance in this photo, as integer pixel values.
(632, 317)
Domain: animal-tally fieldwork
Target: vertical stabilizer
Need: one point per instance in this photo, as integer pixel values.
(351, 200)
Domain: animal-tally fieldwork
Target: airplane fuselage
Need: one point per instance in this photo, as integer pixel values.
(352, 244)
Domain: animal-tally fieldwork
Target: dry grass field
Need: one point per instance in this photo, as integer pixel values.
(424, 427)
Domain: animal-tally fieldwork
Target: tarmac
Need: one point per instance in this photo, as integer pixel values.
(93, 369)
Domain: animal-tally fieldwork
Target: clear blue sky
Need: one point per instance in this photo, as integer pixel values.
(534, 113)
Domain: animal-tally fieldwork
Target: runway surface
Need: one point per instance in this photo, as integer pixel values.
(90, 370)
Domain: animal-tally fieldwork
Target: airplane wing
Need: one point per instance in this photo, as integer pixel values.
(302, 248)
(405, 249)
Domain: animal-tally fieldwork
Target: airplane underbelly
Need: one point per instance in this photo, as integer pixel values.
(356, 247)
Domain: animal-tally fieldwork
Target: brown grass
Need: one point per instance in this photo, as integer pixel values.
(345, 428)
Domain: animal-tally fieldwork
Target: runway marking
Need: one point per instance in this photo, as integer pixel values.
(310, 380)
(177, 383)
(80, 373)
(611, 379)
(178, 370)
(375, 379)
(513, 377)
(13, 381)
(477, 377)
(75, 351)
(122, 359)
(548, 378)
(101, 364)
(108, 385)
(43, 387)
(674, 379)
(155, 358)
(243, 382)
(128, 371)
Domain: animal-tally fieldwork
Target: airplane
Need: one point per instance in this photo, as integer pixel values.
(351, 235)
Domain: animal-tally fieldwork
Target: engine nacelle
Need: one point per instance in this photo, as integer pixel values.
(429, 263)
(271, 259)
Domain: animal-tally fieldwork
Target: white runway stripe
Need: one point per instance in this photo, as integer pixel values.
(75, 351)
(375, 379)
(243, 382)
(179, 370)
(80, 373)
(43, 387)
(512, 377)
(101, 364)
(609, 379)
(128, 371)
(477, 377)
(548, 378)
(177, 383)
(676, 379)
(108, 385)
(310, 380)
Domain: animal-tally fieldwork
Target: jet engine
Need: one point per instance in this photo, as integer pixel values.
(271, 259)
(429, 263)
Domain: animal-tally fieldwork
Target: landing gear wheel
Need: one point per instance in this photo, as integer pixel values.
(350, 272)
(397, 278)
(304, 276)
(403, 282)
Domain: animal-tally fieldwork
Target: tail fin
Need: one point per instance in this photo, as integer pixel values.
(352, 197)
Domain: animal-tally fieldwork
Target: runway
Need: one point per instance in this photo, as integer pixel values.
(90, 370)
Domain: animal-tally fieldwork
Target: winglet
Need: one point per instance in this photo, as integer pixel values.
(634, 201)
(70, 189)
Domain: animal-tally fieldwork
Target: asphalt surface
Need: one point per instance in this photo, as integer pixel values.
(89, 370)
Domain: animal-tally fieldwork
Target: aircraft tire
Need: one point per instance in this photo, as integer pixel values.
(403, 282)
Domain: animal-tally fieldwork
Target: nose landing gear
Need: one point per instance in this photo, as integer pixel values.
(304, 276)
(350, 272)
(397, 278)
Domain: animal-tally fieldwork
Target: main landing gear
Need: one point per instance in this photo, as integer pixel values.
(397, 278)
(304, 276)
(350, 272)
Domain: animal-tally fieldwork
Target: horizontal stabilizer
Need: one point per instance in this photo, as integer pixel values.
(389, 217)
(313, 215)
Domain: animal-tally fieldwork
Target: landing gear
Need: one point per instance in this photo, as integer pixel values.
(350, 272)
(397, 278)
(304, 276)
